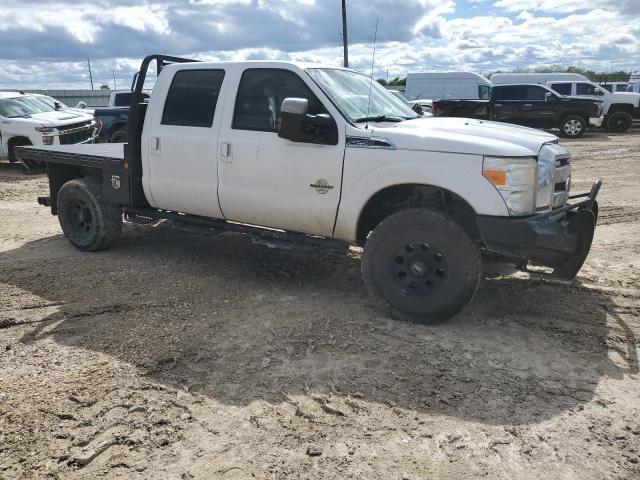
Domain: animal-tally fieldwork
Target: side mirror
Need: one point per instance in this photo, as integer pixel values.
(548, 97)
(57, 105)
(295, 124)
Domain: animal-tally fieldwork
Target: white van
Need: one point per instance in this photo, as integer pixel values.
(531, 78)
(441, 85)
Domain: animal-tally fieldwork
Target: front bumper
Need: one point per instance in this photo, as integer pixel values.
(560, 238)
(596, 121)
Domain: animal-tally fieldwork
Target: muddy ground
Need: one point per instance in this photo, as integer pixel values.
(175, 356)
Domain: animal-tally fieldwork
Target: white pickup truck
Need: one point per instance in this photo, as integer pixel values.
(296, 154)
(28, 120)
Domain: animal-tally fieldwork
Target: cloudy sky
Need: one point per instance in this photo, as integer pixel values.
(45, 43)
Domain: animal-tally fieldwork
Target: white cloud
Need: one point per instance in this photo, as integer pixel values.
(47, 43)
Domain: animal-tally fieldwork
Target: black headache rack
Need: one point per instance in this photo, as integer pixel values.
(137, 112)
(121, 171)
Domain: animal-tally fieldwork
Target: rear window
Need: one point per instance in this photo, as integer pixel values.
(192, 98)
(509, 93)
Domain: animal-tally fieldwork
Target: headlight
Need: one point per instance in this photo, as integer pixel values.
(546, 183)
(515, 179)
(47, 135)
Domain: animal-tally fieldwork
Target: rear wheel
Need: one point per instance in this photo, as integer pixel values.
(572, 126)
(619, 122)
(422, 265)
(120, 136)
(87, 222)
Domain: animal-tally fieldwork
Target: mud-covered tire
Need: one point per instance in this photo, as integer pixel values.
(88, 223)
(572, 126)
(619, 122)
(421, 265)
(120, 136)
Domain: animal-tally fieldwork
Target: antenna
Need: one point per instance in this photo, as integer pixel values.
(373, 62)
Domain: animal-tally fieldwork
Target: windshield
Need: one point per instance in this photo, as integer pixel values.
(51, 101)
(23, 107)
(349, 91)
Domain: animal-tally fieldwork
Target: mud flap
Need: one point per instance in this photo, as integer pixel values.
(583, 225)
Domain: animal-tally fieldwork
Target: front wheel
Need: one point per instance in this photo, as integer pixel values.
(572, 126)
(88, 223)
(619, 122)
(422, 265)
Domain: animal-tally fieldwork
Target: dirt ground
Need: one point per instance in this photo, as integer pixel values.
(175, 356)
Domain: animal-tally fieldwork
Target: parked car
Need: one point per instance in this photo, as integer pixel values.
(115, 117)
(27, 120)
(416, 107)
(463, 85)
(620, 108)
(530, 105)
(425, 104)
(288, 154)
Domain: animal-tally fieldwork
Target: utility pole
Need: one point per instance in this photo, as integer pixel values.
(114, 80)
(90, 76)
(345, 39)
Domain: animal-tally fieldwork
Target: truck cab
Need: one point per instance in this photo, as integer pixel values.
(300, 154)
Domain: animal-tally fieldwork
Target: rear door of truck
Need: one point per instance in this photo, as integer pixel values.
(180, 140)
(505, 102)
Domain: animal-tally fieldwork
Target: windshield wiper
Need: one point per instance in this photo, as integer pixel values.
(380, 118)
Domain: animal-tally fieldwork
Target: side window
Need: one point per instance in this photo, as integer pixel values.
(192, 98)
(562, 88)
(608, 87)
(509, 93)
(122, 100)
(586, 89)
(260, 97)
(535, 94)
(484, 92)
(621, 87)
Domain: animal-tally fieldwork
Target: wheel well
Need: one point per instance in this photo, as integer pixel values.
(620, 107)
(16, 142)
(400, 197)
(115, 127)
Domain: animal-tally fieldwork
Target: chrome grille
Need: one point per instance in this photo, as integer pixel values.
(75, 133)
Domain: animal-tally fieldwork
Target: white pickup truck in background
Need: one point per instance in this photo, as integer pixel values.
(27, 119)
(295, 154)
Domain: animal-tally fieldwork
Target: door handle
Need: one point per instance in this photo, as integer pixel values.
(155, 145)
(529, 105)
(225, 152)
(497, 104)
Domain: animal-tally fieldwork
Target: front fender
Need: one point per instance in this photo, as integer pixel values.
(458, 173)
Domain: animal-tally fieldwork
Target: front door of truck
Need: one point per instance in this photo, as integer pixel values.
(180, 143)
(270, 181)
